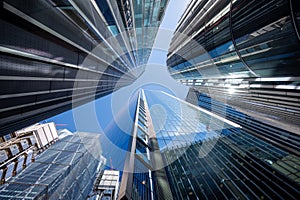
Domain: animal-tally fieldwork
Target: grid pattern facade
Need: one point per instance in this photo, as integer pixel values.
(15, 155)
(67, 170)
(57, 54)
(240, 166)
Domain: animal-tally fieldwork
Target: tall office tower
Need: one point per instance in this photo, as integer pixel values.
(66, 170)
(243, 53)
(58, 54)
(204, 155)
(142, 19)
(144, 176)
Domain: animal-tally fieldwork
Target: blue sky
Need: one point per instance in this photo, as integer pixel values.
(95, 116)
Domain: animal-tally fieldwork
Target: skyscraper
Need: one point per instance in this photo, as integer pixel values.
(242, 53)
(143, 176)
(66, 170)
(58, 54)
(201, 155)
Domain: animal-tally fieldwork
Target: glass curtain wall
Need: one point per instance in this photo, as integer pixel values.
(236, 39)
(66, 170)
(144, 176)
(222, 155)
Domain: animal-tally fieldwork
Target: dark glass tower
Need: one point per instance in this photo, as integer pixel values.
(58, 54)
(242, 53)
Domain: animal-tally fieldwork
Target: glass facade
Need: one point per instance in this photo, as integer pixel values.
(238, 163)
(142, 18)
(277, 136)
(56, 55)
(270, 100)
(173, 124)
(210, 153)
(244, 54)
(236, 136)
(239, 166)
(177, 123)
(258, 161)
(241, 59)
(66, 170)
(142, 178)
(236, 39)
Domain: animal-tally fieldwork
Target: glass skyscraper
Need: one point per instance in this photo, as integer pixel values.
(143, 175)
(58, 54)
(242, 53)
(182, 151)
(240, 59)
